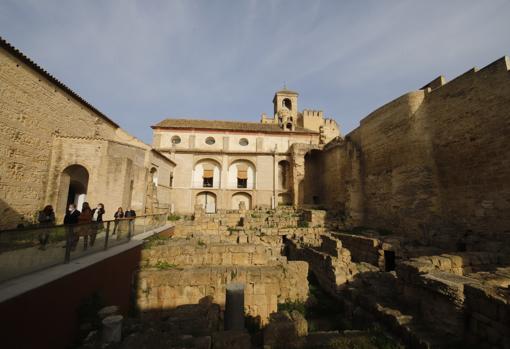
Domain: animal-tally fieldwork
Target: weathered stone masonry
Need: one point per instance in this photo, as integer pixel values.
(45, 127)
(431, 161)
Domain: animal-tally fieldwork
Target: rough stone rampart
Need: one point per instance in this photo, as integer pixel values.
(432, 162)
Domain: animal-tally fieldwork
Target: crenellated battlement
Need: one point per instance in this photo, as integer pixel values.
(330, 122)
(313, 113)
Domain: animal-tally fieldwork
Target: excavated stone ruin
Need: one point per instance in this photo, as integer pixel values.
(308, 284)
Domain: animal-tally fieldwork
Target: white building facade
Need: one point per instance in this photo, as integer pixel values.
(221, 164)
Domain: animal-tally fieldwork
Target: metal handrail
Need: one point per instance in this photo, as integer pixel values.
(20, 255)
(36, 226)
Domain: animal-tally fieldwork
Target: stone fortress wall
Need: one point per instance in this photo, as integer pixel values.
(431, 161)
(45, 128)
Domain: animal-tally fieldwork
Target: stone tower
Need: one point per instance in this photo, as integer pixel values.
(286, 109)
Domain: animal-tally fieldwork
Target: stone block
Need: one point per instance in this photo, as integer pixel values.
(231, 340)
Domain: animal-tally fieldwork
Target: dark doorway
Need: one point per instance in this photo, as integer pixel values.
(285, 247)
(389, 260)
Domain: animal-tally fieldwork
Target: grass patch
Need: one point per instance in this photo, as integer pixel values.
(154, 241)
(174, 217)
(164, 265)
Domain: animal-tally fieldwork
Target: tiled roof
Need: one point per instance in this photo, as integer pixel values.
(13, 50)
(224, 125)
(289, 92)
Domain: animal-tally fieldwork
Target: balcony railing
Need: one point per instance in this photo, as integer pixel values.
(23, 251)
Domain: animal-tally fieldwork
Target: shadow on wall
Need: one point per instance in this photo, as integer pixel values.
(54, 312)
(9, 217)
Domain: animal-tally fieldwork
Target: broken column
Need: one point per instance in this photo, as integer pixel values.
(112, 329)
(234, 307)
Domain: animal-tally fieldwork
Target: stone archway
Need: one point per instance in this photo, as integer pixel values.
(207, 200)
(239, 198)
(73, 187)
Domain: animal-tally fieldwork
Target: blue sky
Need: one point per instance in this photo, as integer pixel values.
(142, 61)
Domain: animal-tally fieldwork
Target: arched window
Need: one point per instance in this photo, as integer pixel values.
(241, 175)
(206, 174)
(154, 175)
(283, 175)
(176, 140)
(286, 103)
(207, 200)
(241, 199)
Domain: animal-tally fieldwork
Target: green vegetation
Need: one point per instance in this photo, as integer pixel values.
(290, 306)
(174, 217)
(201, 243)
(154, 241)
(303, 224)
(164, 265)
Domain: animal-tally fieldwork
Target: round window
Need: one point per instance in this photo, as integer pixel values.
(176, 140)
(243, 141)
(210, 140)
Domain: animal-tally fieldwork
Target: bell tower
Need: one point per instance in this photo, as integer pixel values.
(286, 109)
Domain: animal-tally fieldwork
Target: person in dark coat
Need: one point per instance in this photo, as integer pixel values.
(71, 219)
(97, 213)
(86, 228)
(72, 215)
(118, 215)
(131, 215)
(46, 219)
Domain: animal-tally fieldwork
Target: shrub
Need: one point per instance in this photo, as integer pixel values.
(290, 306)
(174, 217)
(303, 224)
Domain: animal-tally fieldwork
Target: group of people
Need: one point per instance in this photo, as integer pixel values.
(88, 222)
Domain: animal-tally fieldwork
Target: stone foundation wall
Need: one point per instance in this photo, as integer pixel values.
(462, 294)
(199, 253)
(280, 222)
(363, 249)
(330, 263)
(488, 316)
(459, 263)
(265, 287)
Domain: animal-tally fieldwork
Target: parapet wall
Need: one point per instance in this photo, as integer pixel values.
(430, 163)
